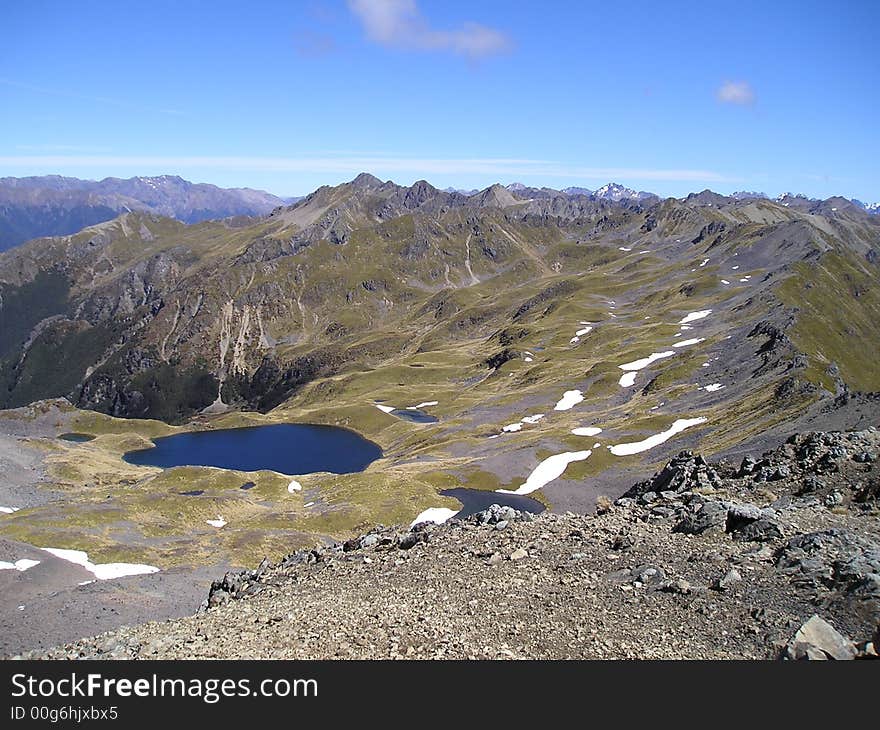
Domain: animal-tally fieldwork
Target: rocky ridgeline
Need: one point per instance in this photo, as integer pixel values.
(776, 557)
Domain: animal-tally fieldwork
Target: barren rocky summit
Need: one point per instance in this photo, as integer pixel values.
(774, 557)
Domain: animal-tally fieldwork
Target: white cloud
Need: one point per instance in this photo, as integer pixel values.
(400, 24)
(500, 168)
(736, 92)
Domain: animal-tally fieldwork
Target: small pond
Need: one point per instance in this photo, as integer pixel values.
(289, 448)
(414, 415)
(79, 438)
(477, 500)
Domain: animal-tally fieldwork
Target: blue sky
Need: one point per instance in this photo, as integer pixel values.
(670, 96)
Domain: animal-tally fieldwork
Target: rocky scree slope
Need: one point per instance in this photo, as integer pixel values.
(774, 557)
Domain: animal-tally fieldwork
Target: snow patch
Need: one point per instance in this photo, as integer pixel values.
(218, 523)
(427, 403)
(627, 380)
(685, 343)
(101, 571)
(512, 427)
(19, 565)
(9, 510)
(693, 316)
(294, 486)
(384, 409)
(649, 443)
(586, 431)
(645, 361)
(712, 388)
(570, 398)
(551, 468)
(437, 515)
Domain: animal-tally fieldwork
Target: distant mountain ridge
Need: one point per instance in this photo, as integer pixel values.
(52, 205)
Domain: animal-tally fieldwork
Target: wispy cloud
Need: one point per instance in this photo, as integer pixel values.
(95, 99)
(499, 168)
(45, 148)
(736, 92)
(310, 44)
(400, 24)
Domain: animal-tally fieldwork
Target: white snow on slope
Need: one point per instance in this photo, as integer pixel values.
(586, 431)
(712, 388)
(19, 565)
(645, 361)
(294, 486)
(8, 510)
(569, 400)
(636, 447)
(693, 316)
(628, 380)
(101, 571)
(437, 515)
(427, 403)
(685, 343)
(384, 409)
(551, 468)
(219, 522)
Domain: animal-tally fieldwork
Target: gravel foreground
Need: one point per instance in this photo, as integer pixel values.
(777, 557)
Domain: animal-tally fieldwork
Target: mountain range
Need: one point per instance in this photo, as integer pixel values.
(53, 205)
(153, 317)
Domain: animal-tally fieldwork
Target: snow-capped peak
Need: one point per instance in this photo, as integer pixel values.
(614, 191)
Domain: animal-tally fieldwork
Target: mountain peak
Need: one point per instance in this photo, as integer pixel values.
(616, 192)
(365, 181)
(495, 196)
(574, 190)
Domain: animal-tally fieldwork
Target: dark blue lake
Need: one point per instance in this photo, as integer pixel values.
(477, 500)
(289, 448)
